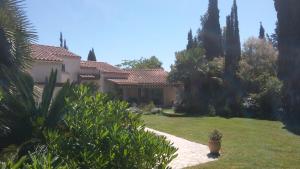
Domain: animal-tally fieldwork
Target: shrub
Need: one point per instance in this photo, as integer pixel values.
(148, 107)
(103, 134)
(216, 136)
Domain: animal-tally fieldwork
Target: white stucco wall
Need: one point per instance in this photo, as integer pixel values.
(41, 70)
(72, 67)
(170, 94)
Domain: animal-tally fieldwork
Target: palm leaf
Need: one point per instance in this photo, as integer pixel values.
(16, 35)
(48, 94)
(58, 105)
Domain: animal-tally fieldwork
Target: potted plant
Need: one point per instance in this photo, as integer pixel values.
(214, 143)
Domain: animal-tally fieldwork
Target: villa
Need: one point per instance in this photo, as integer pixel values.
(139, 86)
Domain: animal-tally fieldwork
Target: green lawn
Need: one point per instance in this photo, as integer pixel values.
(247, 143)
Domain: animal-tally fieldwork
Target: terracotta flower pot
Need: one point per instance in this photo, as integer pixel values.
(214, 146)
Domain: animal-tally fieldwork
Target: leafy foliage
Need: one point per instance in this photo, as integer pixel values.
(201, 78)
(258, 72)
(216, 135)
(23, 116)
(16, 36)
(143, 63)
(211, 31)
(288, 14)
(103, 134)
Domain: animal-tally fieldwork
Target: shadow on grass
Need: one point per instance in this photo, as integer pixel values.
(213, 155)
(295, 129)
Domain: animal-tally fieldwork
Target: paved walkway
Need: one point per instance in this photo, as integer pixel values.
(189, 153)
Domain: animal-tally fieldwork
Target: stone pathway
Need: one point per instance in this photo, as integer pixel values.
(189, 153)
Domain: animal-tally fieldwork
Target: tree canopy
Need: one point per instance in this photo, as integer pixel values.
(92, 55)
(142, 63)
(288, 15)
(211, 31)
(261, 32)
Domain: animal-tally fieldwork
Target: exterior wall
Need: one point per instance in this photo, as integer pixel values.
(65, 76)
(106, 86)
(72, 67)
(170, 94)
(40, 89)
(41, 70)
(130, 93)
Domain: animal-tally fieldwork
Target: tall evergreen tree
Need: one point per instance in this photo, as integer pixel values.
(233, 44)
(236, 30)
(232, 58)
(288, 15)
(191, 41)
(211, 31)
(261, 32)
(92, 55)
(224, 38)
(65, 44)
(61, 40)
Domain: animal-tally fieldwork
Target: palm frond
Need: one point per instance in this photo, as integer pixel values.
(48, 94)
(16, 35)
(57, 109)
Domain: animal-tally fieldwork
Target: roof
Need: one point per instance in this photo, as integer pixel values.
(102, 66)
(144, 77)
(50, 53)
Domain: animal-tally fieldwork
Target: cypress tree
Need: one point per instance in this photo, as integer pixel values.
(232, 58)
(65, 45)
(236, 30)
(232, 43)
(288, 15)
(61, 40)
(261, 32)
(190, 44)
(92, 55)
(211, 31)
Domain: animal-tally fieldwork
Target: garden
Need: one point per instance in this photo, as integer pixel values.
(246, 143)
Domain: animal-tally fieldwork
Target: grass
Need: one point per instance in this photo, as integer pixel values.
(247, 143)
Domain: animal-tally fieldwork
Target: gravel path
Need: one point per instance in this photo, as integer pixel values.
(189, 153)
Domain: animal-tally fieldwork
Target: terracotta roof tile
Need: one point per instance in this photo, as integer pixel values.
(102, 66)
(144, 77)
(50, 53)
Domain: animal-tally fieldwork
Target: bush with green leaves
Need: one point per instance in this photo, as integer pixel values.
(202, 79)
(102, 133)
(36, 160)
(258, 72)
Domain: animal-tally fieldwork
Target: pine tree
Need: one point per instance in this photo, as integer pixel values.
(191, 42)
(288, 15)
(262, 32)
(61, 40)
(92, 55)
(211, 31)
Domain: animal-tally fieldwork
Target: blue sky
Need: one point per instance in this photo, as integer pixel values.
(130, 29)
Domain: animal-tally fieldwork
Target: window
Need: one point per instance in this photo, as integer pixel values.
(63, 68)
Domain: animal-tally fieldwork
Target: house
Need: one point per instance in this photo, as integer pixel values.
(139, 86)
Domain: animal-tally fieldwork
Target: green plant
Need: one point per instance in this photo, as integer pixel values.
(103, 133)
(216, 136)
(36, 160)
(148, 107)
(16, 36)
(22, 117)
